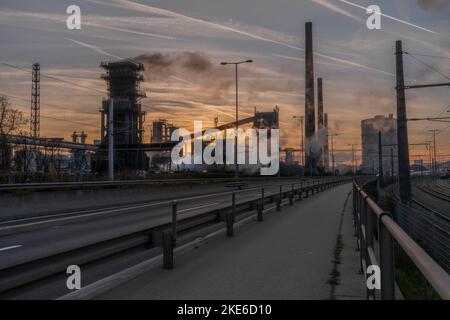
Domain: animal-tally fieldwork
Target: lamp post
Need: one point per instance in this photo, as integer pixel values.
(236, 64)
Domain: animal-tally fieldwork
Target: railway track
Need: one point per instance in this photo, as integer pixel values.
(433, 192)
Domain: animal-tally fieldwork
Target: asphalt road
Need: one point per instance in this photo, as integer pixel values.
(288, 256)
(16, 249)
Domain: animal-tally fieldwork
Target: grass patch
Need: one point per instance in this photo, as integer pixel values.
(412, 283)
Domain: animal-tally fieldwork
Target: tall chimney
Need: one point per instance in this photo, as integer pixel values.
(326, 148)
(320, 122)
(320, 102)
(310, 117)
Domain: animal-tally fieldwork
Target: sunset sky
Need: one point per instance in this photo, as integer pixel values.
(357, 64)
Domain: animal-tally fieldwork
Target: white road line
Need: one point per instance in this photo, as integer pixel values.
(200, 207)
(10, 248)
(80, 213)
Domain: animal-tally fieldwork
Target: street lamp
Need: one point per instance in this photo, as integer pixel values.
(236, 64)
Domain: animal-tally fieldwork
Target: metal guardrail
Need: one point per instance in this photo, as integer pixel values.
(93, 184)
(370, 220)
(167, 234)
(289, 191)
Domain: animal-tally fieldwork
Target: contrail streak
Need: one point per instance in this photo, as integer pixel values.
(130, 5)
(354, 64)
(390, 17)
(162, 12)
(336, 9)
(94, 48)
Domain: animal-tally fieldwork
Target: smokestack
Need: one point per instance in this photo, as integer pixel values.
(310, 118)
(326, 148)
(320, 102)
(320, 121)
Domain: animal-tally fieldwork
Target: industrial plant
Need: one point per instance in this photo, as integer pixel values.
(121, 148)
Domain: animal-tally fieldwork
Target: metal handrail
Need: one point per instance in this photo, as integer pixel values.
(365, 209)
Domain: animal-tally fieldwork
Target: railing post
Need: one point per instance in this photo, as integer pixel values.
(229, 221)
(387, 263)
(369, 224)
(167, 249)
(362, 235)
(174, 222)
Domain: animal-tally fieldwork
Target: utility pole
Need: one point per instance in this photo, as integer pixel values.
(435, 166)
(392, 165)
(111, 140)
(430, 156)
(380, 161)
(353, 158)
(402, 126)
(402, 129)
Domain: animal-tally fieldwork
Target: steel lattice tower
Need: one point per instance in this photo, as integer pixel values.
(35, 123)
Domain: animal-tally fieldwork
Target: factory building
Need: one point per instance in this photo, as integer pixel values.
(370, 145)
(123, 80)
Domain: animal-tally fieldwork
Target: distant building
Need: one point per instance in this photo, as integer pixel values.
(369, 137)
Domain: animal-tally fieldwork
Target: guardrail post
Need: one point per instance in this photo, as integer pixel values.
(262, 199)
(174, 222)
(233, 204)
(387, 263)
(279, 198)
(291, 196)
(300, 193)
(260, 211)
(229, 221)
(167, 249)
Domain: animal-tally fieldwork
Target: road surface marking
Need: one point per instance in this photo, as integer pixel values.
(10, 248)
(200, 207)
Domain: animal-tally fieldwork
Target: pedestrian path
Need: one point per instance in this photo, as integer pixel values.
(291, 255)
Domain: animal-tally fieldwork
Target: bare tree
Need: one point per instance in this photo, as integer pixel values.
(11, 121)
